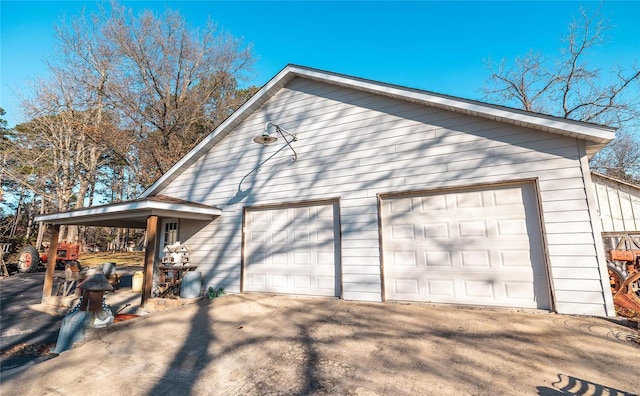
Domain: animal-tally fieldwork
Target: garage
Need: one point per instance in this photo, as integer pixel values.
(293, 250)
(479, 246)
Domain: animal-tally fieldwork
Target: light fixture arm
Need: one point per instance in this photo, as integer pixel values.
(282, 133)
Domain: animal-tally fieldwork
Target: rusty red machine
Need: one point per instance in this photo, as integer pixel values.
(624, 275)
(29, 259)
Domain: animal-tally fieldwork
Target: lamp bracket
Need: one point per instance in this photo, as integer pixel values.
(266, 138)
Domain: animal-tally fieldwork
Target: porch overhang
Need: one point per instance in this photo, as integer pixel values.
(132, 214)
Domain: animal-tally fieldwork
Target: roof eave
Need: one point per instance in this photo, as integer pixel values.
(615, 179)
(129, 214)
(591, 132)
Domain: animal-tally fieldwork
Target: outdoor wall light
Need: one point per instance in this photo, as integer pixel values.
(266, 138)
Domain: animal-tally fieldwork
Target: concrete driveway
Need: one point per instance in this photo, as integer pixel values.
(20, 325)
(274, 345)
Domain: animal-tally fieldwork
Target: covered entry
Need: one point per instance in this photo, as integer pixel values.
(292, 249)
(480, 246)
(141, 213)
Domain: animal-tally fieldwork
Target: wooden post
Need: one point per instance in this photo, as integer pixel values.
(149, 258)
(51, 263)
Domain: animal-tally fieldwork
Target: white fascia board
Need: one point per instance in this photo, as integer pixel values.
(183, 215)
(177, 207)
(130, 207)
(95, 211)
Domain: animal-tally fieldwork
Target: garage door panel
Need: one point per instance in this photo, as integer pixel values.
(477, 288)
(302, 259)
(279, 216)
(438, 259)
(257, 237)
(301, 235)
(472, 229)
(432, 204)
(436, 230)
(326, 282)
(401, 206)
(292, 250)
(257, 281)
(280, 237)
(419, 288)
(276, 259)
(325, 211)
(301, 214)
(514, 260)
(441, 288)
(325, 234)
(302, 282)
(477, 291)
(478, 258)
(403, 232)
(326, 259)
(506, 228)
(515, 290)
(430, 227)
(404, 259)
(258, 217)
(506, 197)
(477, 247)
(277, 281)
(407, 287)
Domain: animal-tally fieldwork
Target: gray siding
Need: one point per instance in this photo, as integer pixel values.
(353, 145)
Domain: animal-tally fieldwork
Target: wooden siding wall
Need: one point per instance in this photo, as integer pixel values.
(353, 145)
(618, 205)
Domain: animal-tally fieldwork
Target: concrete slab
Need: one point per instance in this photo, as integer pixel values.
(275, 345)
(25, 321)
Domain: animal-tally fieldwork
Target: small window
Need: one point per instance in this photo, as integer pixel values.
(169, 232)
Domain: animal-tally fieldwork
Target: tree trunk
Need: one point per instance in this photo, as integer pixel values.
(42, 227)
(30, 218)
(14, 226)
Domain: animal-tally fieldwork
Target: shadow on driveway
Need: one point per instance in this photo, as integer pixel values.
(259, 345)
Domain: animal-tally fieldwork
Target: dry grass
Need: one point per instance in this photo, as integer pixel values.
(120, 258)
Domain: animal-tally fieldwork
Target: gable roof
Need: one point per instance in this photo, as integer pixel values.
(595, 136)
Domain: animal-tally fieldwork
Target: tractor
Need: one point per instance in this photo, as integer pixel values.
(30, 260)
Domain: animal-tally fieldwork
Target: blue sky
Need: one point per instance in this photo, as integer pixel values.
(436, 46)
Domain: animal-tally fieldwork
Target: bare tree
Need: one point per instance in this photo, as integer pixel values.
(56, 154)
(567, 86)
(621, 158)
(127, 96)
(169, 85)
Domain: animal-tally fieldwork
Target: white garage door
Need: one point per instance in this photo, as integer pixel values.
(293, 250)
(469, 247)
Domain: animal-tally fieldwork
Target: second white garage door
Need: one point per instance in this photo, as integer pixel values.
(293, 250)
(480, 247)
